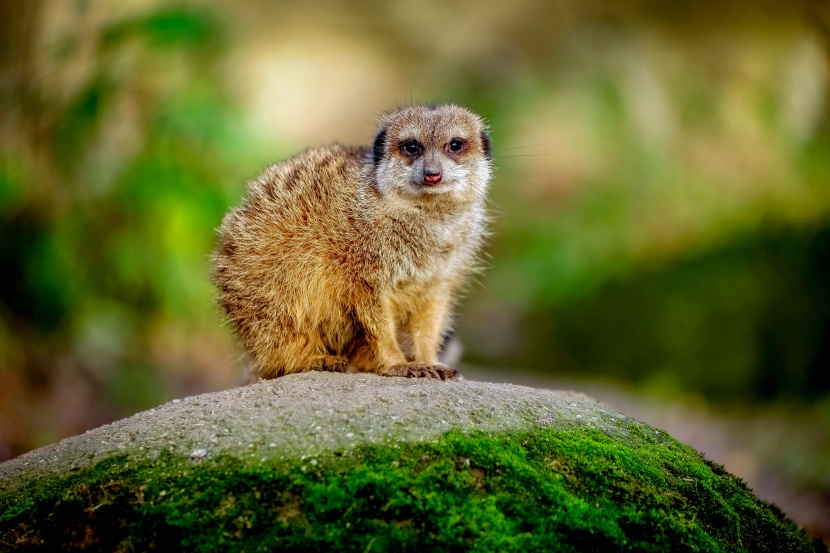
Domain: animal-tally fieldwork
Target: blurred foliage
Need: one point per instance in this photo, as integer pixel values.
(661, 201)
(110, 191)
(747, 319)
(677, 236)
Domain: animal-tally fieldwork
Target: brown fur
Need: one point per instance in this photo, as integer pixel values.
(347, 256)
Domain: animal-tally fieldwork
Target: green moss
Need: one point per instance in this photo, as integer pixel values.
(572, 490)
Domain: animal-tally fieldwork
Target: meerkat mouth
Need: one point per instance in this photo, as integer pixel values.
(442, 187)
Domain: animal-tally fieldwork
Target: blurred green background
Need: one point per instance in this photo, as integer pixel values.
(661, 201)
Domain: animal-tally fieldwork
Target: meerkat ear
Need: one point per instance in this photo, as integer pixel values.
(485, 144)
(380, 144)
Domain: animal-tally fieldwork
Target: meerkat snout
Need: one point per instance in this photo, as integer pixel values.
(432, 176)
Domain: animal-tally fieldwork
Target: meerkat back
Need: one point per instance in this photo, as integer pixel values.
(352, 258)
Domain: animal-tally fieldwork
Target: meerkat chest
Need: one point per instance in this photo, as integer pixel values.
(435, 252)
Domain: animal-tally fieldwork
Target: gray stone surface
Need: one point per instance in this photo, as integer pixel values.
(305, 414)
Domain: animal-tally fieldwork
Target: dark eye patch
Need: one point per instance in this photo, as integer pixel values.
(485, 144)
(411, 147)
(380, 144)
(456, 145)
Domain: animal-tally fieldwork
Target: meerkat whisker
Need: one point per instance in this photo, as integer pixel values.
(522, 147)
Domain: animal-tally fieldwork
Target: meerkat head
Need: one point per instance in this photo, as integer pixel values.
(438, 153)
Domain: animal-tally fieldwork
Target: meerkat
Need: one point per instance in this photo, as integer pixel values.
(352, 258)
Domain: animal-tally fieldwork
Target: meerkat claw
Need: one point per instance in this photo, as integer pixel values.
(422, 370)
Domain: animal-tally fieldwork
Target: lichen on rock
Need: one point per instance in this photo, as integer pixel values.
(358, 462)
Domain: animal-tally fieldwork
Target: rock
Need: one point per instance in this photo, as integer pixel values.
(354, 462)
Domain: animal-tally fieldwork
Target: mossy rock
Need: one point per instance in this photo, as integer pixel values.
(331, 462)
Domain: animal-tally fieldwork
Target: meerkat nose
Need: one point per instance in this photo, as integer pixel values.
(432, 176)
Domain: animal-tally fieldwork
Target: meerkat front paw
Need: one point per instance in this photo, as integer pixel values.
(329, 363)
(422, 370)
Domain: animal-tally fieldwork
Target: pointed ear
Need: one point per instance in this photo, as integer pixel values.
(379, 147)
(485, 144)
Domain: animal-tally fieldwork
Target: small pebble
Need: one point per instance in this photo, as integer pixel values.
(198, 454)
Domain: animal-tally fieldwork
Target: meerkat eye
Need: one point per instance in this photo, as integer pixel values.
(411, 147)
(456, 144)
